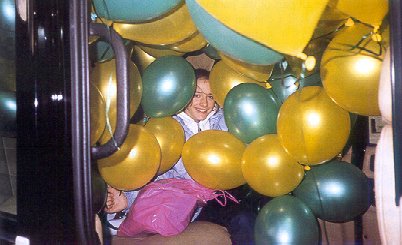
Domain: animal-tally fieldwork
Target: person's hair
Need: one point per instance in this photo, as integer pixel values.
(201, 73)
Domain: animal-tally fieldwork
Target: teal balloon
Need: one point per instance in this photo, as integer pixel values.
(168, 85)
(335, 191)
(286, 220)
(133, 10)
(228, 41)
(283, 82)
(101, 51)
(211, 52)
(250, 111)
(311, 80)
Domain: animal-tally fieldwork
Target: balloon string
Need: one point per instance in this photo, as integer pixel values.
(225, 196)
(321, 205)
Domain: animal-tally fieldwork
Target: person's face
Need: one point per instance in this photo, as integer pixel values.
(202, 103)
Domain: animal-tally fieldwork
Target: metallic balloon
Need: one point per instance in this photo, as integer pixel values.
(228, 41)
(223, 78)
(269, 169)
(351, 71)
(141, 58)
(311, 127)
(251, 111)
(284, 26)
(260, 73)
(286, 220)
(335, 191)
(282, 81)
(97, 105)
(138, 167)
(104, 78)
(133, 10)
(168, 85)
(213, 159)
(170, 136)
(172, 28)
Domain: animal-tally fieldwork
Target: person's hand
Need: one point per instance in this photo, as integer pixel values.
(116, 200)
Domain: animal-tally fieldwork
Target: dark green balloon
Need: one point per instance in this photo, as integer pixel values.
(283, 82)
(168, 85)
(101, 51)
(250, 111)
(286, 220)
(335, 191)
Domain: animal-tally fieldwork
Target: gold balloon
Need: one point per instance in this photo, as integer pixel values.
(269, 169)
(190, 44)
(260, 73)
(159, 50)
(97, 113)
(170, 136)
(170, 29)
(311, 127)
(370, 11)
(141, 58)
(331, 19)
(223, 78)
(350, 72)
(140, 164)
(104, 77)
(284, 26)
(213, 159)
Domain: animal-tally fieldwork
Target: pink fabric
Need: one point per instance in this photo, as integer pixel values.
(166, 207)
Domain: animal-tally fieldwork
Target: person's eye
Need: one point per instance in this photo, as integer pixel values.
(197, 96)
(210, 97)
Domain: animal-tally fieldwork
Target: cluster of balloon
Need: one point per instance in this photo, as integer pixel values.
(335, 191)
(213, 159)
(229, 41)
(104, 79)
(170, 136)
(286, 220)
(311, 127)
(138, 166)
(251, 111)
(269, 169)
(223, 78)
(168, 85)
(350, 69)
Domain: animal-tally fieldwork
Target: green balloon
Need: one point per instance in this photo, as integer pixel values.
(286, 220)
(250, 111)
(335, 191)
(283, 82)
(168, 85)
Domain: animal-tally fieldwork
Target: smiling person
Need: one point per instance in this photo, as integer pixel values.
(202, 113)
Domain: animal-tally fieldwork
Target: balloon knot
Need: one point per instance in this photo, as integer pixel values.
(307, 168)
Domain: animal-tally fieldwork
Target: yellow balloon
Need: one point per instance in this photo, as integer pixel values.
(269, 169)
(190, 44)
(141, 58)
(138, 167)
(260, 73)
(330, 20)
(213, 159)
(311, 127)
(223, 78)
(170, 136)
(104, 77)
(284, 26)
(159, 50)
(350, 75)
(97, 113)
(170, 29)
(370, 11)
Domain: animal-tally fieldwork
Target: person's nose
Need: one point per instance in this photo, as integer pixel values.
(204, 101)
